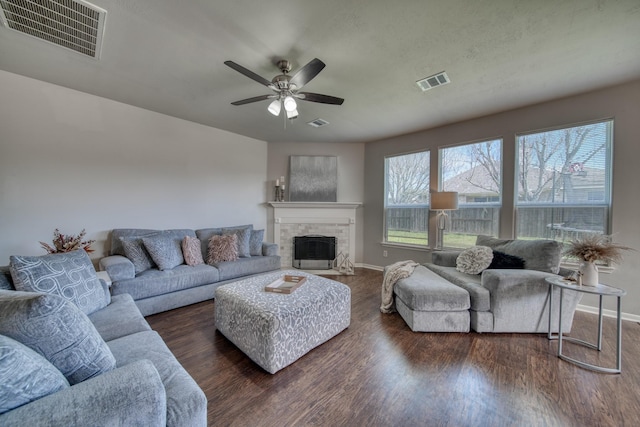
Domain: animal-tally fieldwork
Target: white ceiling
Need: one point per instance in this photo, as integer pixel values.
(167, 56)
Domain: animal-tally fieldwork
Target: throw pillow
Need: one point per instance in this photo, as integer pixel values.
(255, 244)
(502, 261)
(541, 255)
(474, 260)
(134, 250)
(222, 248)
(58, 330)
(165, 251)
(70, 275)
(191, 251)
(244, 238)
(25, 375)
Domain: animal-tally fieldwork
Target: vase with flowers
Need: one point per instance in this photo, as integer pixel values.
(67, 243)
(590, 249)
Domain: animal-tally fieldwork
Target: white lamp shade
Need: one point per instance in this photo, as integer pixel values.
(290, 103)
(274, 107)
(444, 200)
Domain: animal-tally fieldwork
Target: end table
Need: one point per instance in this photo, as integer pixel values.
(602, 291)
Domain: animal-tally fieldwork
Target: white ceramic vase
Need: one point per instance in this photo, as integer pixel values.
(589, 273)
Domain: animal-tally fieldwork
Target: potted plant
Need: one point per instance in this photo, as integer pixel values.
(590, 249)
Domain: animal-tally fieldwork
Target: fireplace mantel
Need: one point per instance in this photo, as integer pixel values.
(323, 218)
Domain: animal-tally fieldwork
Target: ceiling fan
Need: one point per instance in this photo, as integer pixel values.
(286, 87)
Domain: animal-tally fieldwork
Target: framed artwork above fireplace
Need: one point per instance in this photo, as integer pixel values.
(313, 179)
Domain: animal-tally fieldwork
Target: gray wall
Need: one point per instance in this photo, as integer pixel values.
(72, 160)
(620, 102)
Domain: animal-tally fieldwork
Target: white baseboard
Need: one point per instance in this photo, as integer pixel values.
(608, 313)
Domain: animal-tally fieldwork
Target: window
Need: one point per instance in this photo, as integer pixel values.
(475, 172)
(564, 182)
(407, 199)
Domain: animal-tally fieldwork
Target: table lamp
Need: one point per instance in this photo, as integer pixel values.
(442, 202)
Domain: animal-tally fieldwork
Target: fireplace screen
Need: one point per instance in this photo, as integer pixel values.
(314, 252)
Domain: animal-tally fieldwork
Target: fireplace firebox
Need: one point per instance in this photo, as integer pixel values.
(314, 252)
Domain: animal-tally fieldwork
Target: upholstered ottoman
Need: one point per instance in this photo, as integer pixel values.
(430, 303)
(275, 329)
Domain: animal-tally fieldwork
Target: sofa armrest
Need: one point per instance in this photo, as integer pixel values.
(519, 301)
(130, 395)
(269, 249)
(118, 267)
(445, 258)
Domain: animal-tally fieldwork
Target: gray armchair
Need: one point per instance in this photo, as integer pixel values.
(512, 300)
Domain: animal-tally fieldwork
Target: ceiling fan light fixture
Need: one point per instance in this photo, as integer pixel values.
(290, 103)
(292, 114)
(274, 107)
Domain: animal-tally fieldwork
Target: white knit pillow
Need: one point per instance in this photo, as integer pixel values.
(474, 260)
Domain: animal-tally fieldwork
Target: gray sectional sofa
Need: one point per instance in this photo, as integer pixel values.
(438, 297)
(155, 290)
(73, 355)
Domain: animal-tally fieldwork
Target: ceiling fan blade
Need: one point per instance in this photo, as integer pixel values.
(249, 73)
(254, 99)
(307, 73)
(316, 97)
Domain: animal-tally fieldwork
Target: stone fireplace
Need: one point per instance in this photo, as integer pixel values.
(295, 219)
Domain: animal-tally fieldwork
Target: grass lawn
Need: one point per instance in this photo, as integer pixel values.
(451, 240)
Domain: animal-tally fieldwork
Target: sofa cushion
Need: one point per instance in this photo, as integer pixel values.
(120, 318)
(70, 275)
(247, 266)
(165, 250)
(205, 235)
(474, 260)
(5, 278)
(58, 330)
(136, 252)
(541, 255)
(191, 251)
(255, 244)
(155, 282)
(222, 248)
(480, 296)
(25, 375)
(426, 291)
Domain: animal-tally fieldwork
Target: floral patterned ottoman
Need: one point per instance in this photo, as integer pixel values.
(276, 329)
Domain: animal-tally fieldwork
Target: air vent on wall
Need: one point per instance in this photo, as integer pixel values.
(317, 123)
(74, 24)
(433, 81)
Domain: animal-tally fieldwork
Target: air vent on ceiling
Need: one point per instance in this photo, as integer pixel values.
(317, 123)
(74, 24)
(433, 81)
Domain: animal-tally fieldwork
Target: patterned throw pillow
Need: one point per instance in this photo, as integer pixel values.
(191, 250)
(56, 329)
(25, 375)
(222, 248)
(70, 275)
(136, 252)
(474, 260)
(255, 244)
(165, 250)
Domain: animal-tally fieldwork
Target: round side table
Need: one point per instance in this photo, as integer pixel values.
(602, 291)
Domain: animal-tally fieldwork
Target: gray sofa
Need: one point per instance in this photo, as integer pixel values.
(72, 355)
(155, 290)
(438, 297)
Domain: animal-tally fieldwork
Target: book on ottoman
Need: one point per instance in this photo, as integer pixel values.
(286, 284)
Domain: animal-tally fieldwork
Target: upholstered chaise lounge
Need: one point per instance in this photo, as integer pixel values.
(500, 300)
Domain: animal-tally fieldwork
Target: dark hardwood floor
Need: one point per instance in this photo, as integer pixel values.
(379, 373)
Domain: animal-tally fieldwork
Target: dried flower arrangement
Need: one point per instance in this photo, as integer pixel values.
(594, 247)
(68, 243)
